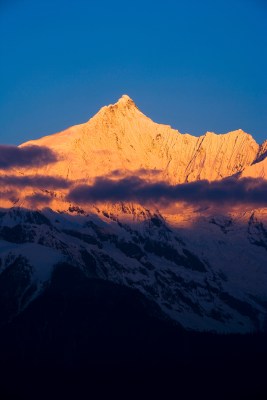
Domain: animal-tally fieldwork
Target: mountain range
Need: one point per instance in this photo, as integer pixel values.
(204, 266)
(148, 222)
(120, 137)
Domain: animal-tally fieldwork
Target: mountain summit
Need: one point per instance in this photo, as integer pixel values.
(124, 104)
(121, 137)
(126, 100)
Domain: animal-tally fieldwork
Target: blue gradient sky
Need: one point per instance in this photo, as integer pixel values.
(197, 65)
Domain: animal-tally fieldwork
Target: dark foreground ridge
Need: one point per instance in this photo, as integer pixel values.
(90, 338)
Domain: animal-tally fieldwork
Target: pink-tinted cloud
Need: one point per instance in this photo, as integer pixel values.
(227, 191)
(38, 199)
(28, 156)
(10, 195)
(38, 181)
(142, 172)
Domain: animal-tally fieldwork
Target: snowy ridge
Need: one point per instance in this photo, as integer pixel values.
(121, 137)
(212, 277)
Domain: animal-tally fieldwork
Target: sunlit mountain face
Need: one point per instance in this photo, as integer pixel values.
(124, 242)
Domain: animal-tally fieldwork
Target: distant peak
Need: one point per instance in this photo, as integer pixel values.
(124, 105)
(126, 100)
(125, 97)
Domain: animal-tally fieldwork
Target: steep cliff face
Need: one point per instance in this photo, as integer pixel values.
(262, 152)
(121, 137)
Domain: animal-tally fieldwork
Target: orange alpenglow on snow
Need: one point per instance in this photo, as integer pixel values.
(121, 137)
(120, 141)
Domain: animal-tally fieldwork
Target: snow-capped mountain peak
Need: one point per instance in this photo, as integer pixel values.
(204, 267)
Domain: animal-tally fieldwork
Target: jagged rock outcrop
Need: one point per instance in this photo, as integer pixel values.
(262, 152)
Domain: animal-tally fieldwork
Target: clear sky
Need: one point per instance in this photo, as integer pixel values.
(196, 65)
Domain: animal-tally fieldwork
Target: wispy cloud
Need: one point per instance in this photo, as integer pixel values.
(11, 195)
(227, 191)
(38, 199)
(28, 156)
(142, 172)
(38, 181)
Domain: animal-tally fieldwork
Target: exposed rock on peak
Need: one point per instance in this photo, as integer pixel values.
(125, 99)
(262, 152)
(124, 103)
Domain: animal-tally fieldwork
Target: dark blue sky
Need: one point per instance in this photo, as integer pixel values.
(197, 65)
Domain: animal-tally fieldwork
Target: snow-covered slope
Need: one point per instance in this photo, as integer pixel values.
(210, 276)
(257, 170)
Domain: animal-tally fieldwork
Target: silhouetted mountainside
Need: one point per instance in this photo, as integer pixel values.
(85, 337)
